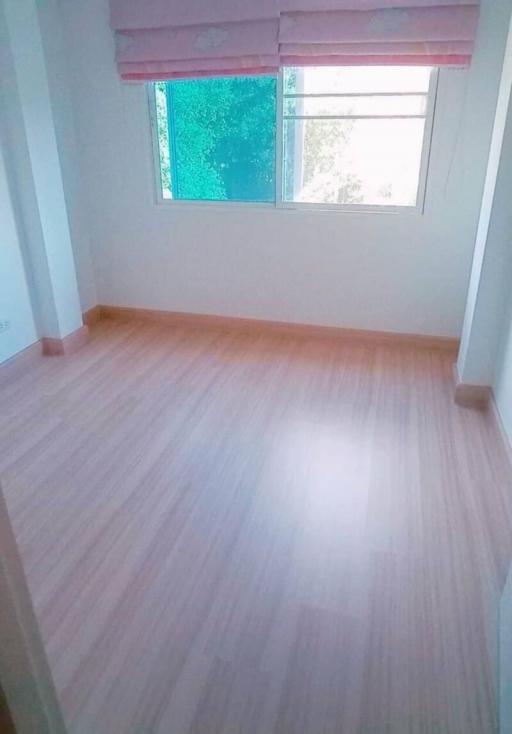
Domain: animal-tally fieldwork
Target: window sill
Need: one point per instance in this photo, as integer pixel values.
(225, 206)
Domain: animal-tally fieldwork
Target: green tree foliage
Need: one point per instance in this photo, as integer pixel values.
(220, 142)
(325, 142)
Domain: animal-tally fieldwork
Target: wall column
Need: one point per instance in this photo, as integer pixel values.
(45, 220)
(491, 274)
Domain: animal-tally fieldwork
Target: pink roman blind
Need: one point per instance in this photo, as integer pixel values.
(167, 39)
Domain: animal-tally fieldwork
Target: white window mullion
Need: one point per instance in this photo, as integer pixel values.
(279, 139)
(427, 139)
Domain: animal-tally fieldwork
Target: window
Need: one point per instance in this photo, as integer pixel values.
(331, 137)
(354, 136)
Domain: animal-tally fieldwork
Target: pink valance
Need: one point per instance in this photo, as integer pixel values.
(168, 39)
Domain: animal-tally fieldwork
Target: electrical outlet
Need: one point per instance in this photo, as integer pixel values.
(4, 326)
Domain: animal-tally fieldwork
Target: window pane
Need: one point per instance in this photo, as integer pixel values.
(355, 79)
(163, 138)
(369, 162)
(221, 139)
(375, 106)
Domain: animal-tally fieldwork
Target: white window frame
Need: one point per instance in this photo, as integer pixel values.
(279, 203)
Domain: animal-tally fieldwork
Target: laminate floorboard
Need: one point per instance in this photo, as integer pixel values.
(230, 533)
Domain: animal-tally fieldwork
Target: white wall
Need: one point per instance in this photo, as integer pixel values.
(55, 274)
(405, 273)
(503, 378)
(36, 126)
(15, 305)
(56, 55)
(489, 284)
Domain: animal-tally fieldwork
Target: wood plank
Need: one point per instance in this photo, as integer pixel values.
(259, 532)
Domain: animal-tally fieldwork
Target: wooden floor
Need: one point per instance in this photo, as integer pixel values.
(244, 534)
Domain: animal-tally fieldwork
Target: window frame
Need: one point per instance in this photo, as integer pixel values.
(280, 203)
